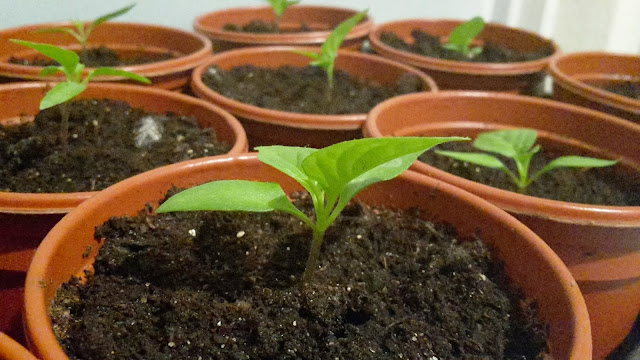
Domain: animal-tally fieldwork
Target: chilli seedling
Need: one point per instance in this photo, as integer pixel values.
(74, 85)
(519, 145)
(461, 37)
(279, 7)
(326, 59)
(82, 31)
(332, 176)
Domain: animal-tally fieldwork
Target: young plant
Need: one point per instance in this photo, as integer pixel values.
(279, 7)
(518, 144)
(74, 85)
(329, 52)
(332, 176)
(82, 31)
(461, 37)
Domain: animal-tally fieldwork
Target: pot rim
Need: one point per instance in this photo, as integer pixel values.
(155, 69)
(593, 93)
(11, 349)
(359, 31)
(287, 118)
(60, 203)
(42, 337)
(561, 211)
(461, 67)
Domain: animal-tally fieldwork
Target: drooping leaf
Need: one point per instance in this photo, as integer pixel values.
(60, 30)
(337, 165)
(462, 36)
(117, 72)
(481, 159)
(509, 143)
(231, 195)
(67, 58)
(60, 93)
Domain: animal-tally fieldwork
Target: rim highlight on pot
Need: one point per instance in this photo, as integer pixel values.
(560, 301)
(189, 48)
(322, 18)
(598, 243)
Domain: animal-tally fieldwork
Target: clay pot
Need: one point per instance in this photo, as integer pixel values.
(321, 19)
(11, 350)
(274, 127)
(25, 218)
(523, 77)
(578, 79)
(128, 39)
(559, 299)
(599, 244)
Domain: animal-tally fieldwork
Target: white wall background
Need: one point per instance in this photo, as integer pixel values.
(576, 25)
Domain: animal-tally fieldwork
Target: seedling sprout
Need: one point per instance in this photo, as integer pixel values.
(332, 176)
(329, 52)
(75, 84)
(461, 37)
(280, 6)
(82, 31)
(518, 144)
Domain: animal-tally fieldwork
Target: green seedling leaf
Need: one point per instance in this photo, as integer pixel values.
(279, 6)
(61, 93)
(519, 145)
(67, 31)
(461, 37)
(50, 70)
(67, 58)
(288, 159)
(107, 17)
(117, 72)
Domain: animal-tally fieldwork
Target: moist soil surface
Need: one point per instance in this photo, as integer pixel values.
(262, 27)
(629, 89)
(206, 285)
(97, 57)
(429, 45)
(303, 89)
(597, 186)
(108, 141)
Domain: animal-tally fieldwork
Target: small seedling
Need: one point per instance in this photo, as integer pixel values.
(75, 84)
(329, 52)
(518, 144)
(461, 37)
(332, 176)
(82, 31)
(279, 7)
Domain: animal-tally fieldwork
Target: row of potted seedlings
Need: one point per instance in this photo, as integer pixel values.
(348, 307)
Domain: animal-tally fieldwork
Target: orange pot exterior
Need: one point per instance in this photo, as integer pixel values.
(561, 303)
(189, 49)
(599, 244)
(577, 79)
(459, 75)
(321, 19)
(274, 127)
(11, 350)
(25, 218)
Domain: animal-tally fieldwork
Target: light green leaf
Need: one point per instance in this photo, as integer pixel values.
(337, 165)
(231, 195)
(309, 54)
(574, 162)
(60, 93)
(279, 6)
(462, 36)
(117, 72)
(474, 158)
(109, 16)
(334, 40)
(50, 70)
(287, 159)
(60, 30)
(67, 58)
(510, 143)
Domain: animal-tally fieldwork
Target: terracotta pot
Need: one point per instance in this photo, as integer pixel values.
(11, 350)
(26, 218)
(271, 127)
(321, 19)
(129, 39)
(559, 299)
(599, 244)
(514, 77)
(578, 78)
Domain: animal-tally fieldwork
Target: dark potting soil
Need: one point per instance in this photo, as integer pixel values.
(628, 88)
(262, 27)
(303, 89)
(597, 186)
(108, 141)
(97, 57)
(226, 286)
(429, 45)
